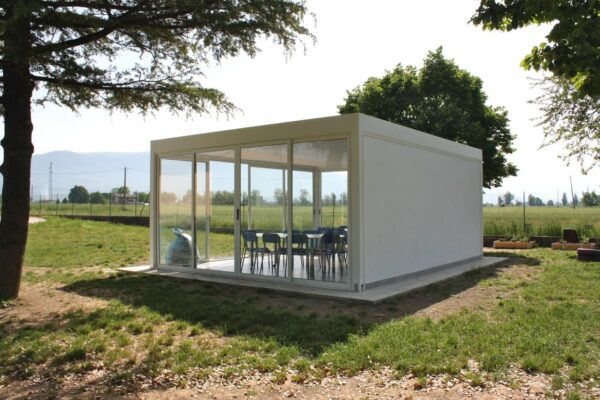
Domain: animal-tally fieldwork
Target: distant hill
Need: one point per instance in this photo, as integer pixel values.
(95, 171)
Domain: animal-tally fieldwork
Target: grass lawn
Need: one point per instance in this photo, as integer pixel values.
(540, 312)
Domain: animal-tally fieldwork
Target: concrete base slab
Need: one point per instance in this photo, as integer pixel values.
(371, 295)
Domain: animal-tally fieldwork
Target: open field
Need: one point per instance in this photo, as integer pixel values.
(530, 327)
(47, 209)
(263, 217)
(549, 221)
(497, 220)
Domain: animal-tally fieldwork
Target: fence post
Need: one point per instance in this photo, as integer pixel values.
(40, 212)
(110, 204)
(524, 223)
(57, 204)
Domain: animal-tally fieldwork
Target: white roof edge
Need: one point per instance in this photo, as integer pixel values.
(276, 125)
(363, 122)
(377, 126)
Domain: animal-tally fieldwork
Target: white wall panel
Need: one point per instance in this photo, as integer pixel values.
(422, 208)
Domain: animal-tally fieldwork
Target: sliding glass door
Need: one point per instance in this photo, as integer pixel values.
(263, 209)
(215, 210)
(320, 182)
(236, 211)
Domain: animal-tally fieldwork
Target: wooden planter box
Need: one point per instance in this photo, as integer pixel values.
(572, 246)
(501, 244)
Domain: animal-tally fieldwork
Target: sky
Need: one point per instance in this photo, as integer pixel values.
(354, 41)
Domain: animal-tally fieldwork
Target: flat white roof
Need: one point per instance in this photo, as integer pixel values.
(310, 129)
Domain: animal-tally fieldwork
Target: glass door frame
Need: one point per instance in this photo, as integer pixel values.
(237, 208)
(286, 205)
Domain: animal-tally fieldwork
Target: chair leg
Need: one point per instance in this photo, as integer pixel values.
(243, 257)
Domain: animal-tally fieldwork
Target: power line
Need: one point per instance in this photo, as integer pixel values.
(78, 173)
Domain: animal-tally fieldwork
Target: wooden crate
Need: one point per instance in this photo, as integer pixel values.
(572, 246)
(501, 244)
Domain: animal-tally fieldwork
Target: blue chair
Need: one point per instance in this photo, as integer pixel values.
(272, 247)
(251, 247)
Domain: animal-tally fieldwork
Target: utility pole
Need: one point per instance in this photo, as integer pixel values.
(50, 182)
(572, 195)
(125, 187)
(524, 221)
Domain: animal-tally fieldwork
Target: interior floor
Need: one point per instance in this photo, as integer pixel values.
(317, 272)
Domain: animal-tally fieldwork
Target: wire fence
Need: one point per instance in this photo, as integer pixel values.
(536, 214)
(58, 208)
(505, 213)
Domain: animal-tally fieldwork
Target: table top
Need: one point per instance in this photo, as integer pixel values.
(282, 235)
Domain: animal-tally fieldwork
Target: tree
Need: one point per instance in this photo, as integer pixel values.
(534, 201)
(508, 198)
(78, 54)
(550, 203)
(121, 190)
(304, 198)
(279, 196)
(500, 201)
(97, 198)
(143, 197)
(443, 100)
(575, 201)
(572, 50)
(79, 194)
(570, 99)
(570, 119)
(590, 199)
(223, 198)
(564, 200)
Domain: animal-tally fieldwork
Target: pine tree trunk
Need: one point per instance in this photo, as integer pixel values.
(18, 150)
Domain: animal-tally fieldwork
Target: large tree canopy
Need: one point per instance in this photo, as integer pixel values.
(570, 99)
(445, 101)
(117, 54)
(572, 50)
(570, 119)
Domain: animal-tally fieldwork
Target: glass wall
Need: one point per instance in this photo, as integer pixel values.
(320, 212)
(317, 239)
(215, 209)
(303, 200)
(263, 204)
(175, 211)
(334, 199)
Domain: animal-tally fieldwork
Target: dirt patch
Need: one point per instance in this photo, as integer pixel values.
(380, 384)
(40, 303)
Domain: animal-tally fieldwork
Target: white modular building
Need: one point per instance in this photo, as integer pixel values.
(342, 203)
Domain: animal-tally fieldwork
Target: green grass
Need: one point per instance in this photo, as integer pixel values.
(543, 221)
(62, 248)
(550, 324)
(547, 320)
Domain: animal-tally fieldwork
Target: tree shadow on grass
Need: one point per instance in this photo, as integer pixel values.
(311, 324)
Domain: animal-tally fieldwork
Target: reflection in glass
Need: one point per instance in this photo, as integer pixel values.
(215, 188)
(263, 205)
(320, 209)
(175, 212)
